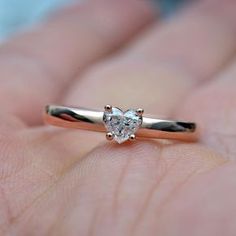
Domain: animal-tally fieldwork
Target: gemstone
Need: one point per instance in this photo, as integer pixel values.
(122, 124)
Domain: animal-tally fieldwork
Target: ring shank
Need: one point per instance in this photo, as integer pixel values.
(80, 118)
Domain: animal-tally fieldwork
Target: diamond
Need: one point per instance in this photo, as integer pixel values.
(122, 124)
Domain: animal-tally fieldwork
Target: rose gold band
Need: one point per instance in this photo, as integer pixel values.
(81, 118)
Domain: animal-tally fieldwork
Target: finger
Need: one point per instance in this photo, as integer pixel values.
(164, 65)
(131, 80)
(115, 190)
(213, 106)
(200, 40)
(36, 66)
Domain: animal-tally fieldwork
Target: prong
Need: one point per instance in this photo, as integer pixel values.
(140, 111)
(132, 137)
(109, 136)
(108, 108)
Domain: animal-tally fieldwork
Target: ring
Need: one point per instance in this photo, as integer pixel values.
(118, 125)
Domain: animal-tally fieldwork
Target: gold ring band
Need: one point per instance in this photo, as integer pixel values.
(120, 125)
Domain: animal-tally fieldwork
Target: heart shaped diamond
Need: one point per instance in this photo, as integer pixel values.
(122, 125)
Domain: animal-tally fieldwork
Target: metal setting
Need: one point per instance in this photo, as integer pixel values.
(108, 108)
(109, 136)
(140, 111)
(154, 128)
(132, 137)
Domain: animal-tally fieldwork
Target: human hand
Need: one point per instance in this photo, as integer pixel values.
(70, 182)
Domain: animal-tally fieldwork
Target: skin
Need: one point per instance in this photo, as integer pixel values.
(57, 181)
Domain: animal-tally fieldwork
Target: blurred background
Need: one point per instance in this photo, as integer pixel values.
(16, 15)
